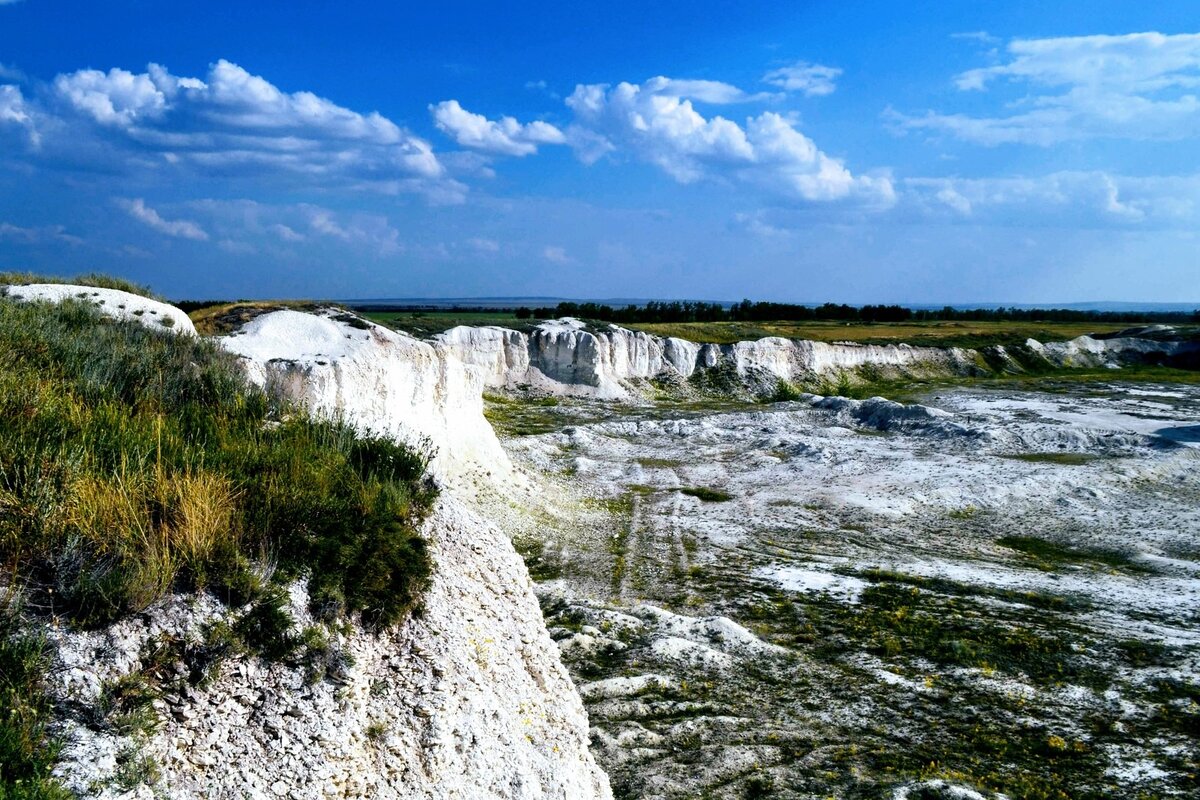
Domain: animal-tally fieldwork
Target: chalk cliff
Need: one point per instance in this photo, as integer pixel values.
(567, 357)
(378, 379)
(1115, 351)
(468, 700)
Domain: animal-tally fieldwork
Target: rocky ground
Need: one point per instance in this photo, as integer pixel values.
(992, 592)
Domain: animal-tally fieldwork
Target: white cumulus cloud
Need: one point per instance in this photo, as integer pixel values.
(813, 80)
(232, 123)
(15, 112)
(712, 92)
(117, 97)
(1076, 197)
(504, 137)
(1137, 86)
(668, 131)
(180, 228)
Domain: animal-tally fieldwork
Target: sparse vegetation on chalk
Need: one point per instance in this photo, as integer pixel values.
(1047, 554)
(218, 319)
(1064, 459)
(27, 749)
(910, 647)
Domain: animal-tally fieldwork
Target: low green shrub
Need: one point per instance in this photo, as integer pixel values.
(896, 621)
(784, 392)
(1065, 459)
(1050, 555)
(707, 495)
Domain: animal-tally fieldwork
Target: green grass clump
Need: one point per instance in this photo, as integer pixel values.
(134, 462)
(27, 751)
(659, 463)
(1035, 599)
(707, 495)
(515, 416)
(783, 392)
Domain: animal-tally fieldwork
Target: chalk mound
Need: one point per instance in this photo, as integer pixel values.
(1136, 346)
(888, 415)
(111, 302)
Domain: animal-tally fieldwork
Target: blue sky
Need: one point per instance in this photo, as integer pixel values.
(805, 151)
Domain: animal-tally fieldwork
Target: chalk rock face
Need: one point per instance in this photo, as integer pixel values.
(468, 701)
(563, 357)
(377, 379)
(111, 302)
(789, 359)
(1085, 351)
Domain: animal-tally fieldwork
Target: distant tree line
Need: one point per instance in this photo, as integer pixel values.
(747, 311)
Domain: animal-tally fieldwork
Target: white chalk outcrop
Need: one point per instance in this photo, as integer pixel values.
(111, 302)
(377, 379)
(467, 701)
(1113, 352)
(564, 357)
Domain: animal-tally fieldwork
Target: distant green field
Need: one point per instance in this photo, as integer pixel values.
(931, 334)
